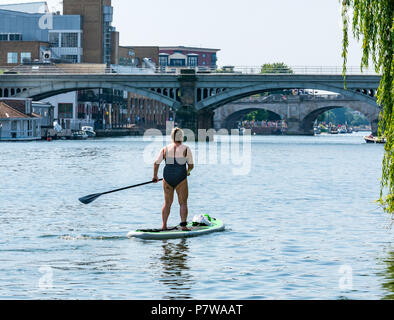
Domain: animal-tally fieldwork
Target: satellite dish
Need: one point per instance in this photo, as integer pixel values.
(47, 54)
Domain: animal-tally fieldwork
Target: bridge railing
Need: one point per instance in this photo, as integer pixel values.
(310, 96)
(308, 70)
(102, 69)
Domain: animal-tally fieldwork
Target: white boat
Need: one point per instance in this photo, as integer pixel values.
(89, 131)
(373, 139)
(342, 130)
(79, 135)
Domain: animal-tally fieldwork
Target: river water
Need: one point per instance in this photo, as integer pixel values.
(300, 224)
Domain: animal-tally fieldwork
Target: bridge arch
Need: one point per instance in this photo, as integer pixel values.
(299, 112)
(227, 115)
(372, 115)
(50, 90)
(240, 114)
(231, 95)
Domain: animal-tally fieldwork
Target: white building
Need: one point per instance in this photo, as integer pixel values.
(17, 122)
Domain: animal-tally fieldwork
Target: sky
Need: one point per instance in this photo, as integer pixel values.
(247, 32)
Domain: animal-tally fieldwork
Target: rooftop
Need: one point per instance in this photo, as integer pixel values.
(7, 112)
(189, 48)
(28, 7)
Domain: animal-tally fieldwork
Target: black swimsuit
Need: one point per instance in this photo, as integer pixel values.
(175, 170)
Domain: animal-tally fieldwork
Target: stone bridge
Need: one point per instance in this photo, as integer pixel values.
(299, 111)
(194, 96)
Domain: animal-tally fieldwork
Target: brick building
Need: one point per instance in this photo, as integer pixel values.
(149, 113)
(181, 56)
(18, 52)
(29, 32)
(135, 55)
(101, 42)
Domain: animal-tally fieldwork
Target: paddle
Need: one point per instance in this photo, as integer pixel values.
(91, 197)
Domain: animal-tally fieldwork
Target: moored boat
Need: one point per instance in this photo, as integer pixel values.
(342, 130)
(372, 139)
(79, 135)
(89, 131)
(334, 130)
(323, 128)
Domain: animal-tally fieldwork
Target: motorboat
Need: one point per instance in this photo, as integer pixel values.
(334, 130)
(89, 131)
(342, 130)
(372, 139)
(323, 128)
(79, 135)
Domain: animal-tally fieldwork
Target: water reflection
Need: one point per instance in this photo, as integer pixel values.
(175, 270)
(388, 277)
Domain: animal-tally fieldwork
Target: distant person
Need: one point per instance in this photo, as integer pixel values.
(176, 156)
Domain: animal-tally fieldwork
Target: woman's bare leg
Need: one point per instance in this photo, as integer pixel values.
(182, 191)
(168, 198)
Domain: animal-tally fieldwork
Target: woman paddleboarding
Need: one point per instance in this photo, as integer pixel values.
(176, 155)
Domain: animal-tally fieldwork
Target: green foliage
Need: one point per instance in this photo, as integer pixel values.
(277, 67)
(328, 116)
(342, 116)
(373, 23)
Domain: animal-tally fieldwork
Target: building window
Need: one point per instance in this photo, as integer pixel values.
(54, 39)
(70, 58)
(10, 37)
(213, 59)
(163, 60)
(12, 57)
(65, 110)
(108, 13)
(177, 62)
(126, 61)
(203, 55)
(15, 37)
(192, 61)
(70, 40)
(25, 57)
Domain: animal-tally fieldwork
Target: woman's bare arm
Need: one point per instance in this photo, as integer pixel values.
(189, 159)
(189, 168)
(156, 165)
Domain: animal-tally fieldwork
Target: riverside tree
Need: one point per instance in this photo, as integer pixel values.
(372, 22)
(277, 67)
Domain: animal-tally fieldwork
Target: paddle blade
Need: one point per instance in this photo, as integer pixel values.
(90, 198)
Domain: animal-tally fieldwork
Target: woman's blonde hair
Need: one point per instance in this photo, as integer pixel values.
(177, 135)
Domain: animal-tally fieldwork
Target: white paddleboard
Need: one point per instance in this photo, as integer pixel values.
(177, 232)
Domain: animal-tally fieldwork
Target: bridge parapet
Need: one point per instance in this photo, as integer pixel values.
(86, 68)
(293, 98)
